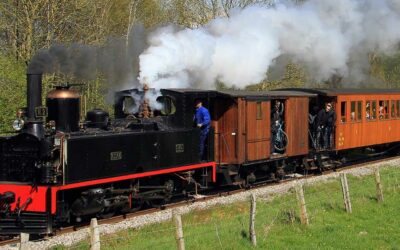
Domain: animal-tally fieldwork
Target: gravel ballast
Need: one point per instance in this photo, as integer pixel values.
(165, 215)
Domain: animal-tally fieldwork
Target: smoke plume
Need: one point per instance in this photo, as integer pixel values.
(117, 60)
(326, 37)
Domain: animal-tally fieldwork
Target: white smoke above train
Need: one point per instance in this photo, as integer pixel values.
(326, 37)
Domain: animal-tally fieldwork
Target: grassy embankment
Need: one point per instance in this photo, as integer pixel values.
(372, 225)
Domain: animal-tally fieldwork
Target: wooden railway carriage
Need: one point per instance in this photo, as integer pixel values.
(242, 123)
(365, 117)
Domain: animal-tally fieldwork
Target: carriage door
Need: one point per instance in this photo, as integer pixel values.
(257, 130)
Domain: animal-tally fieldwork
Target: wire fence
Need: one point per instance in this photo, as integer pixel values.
(229, 226)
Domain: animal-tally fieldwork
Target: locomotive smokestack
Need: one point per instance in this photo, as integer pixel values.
(34, 94)
(34, 125)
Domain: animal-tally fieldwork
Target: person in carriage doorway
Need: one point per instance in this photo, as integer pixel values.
(202, 120)
(276, 124)
(325, 127)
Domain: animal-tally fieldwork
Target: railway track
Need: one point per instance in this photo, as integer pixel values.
(120, 218)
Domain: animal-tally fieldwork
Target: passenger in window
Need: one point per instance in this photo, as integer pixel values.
(326, 127)
(382, 112)
(353, 116)
(367, 114)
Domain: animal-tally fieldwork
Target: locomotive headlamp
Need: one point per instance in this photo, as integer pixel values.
(18, 124)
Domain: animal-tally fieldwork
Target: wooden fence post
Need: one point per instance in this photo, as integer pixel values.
(379, 192)
(94, 235)
(180, 241)
(252, 231)
(23, 241)
(346, 192)
(302, 203)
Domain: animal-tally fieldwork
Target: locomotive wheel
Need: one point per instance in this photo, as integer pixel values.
(137, 204)
(158, 203)
(106, 215)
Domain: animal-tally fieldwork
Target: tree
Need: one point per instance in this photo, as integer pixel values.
(12, 91)
(385, 70)
(294, 76)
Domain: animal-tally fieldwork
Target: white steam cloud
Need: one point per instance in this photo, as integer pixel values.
(327, 37)
(152, 96)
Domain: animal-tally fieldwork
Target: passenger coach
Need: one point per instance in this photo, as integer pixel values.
(365, 117)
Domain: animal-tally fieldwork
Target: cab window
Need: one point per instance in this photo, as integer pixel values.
(129, 105)
(168, 105)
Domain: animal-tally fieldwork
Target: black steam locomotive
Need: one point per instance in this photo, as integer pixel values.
(58, 169)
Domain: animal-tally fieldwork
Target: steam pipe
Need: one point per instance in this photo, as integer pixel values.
(34, 94)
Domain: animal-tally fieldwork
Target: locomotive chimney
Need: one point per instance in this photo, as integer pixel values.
(34, 94)
(34, 125)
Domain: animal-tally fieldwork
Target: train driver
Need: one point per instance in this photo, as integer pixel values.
(203, 120)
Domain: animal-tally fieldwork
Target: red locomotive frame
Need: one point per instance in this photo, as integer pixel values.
(38, 195)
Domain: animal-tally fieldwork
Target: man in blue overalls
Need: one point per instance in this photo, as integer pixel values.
(202, 119)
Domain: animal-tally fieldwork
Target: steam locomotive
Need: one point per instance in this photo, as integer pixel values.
(59, 169)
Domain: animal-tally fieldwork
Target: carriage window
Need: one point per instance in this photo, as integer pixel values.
(393, 109)
(356, 111)
(373, 110)
(343, 111)
(353, 111)
(383, 110)
(167, 105)
(370, 110)
(359, 110)
(398, 108)
(259, 111)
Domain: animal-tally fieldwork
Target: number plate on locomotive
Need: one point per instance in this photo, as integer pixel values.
(115, 156)
(179, 148)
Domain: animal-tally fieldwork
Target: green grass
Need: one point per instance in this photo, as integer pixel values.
(372, 225)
